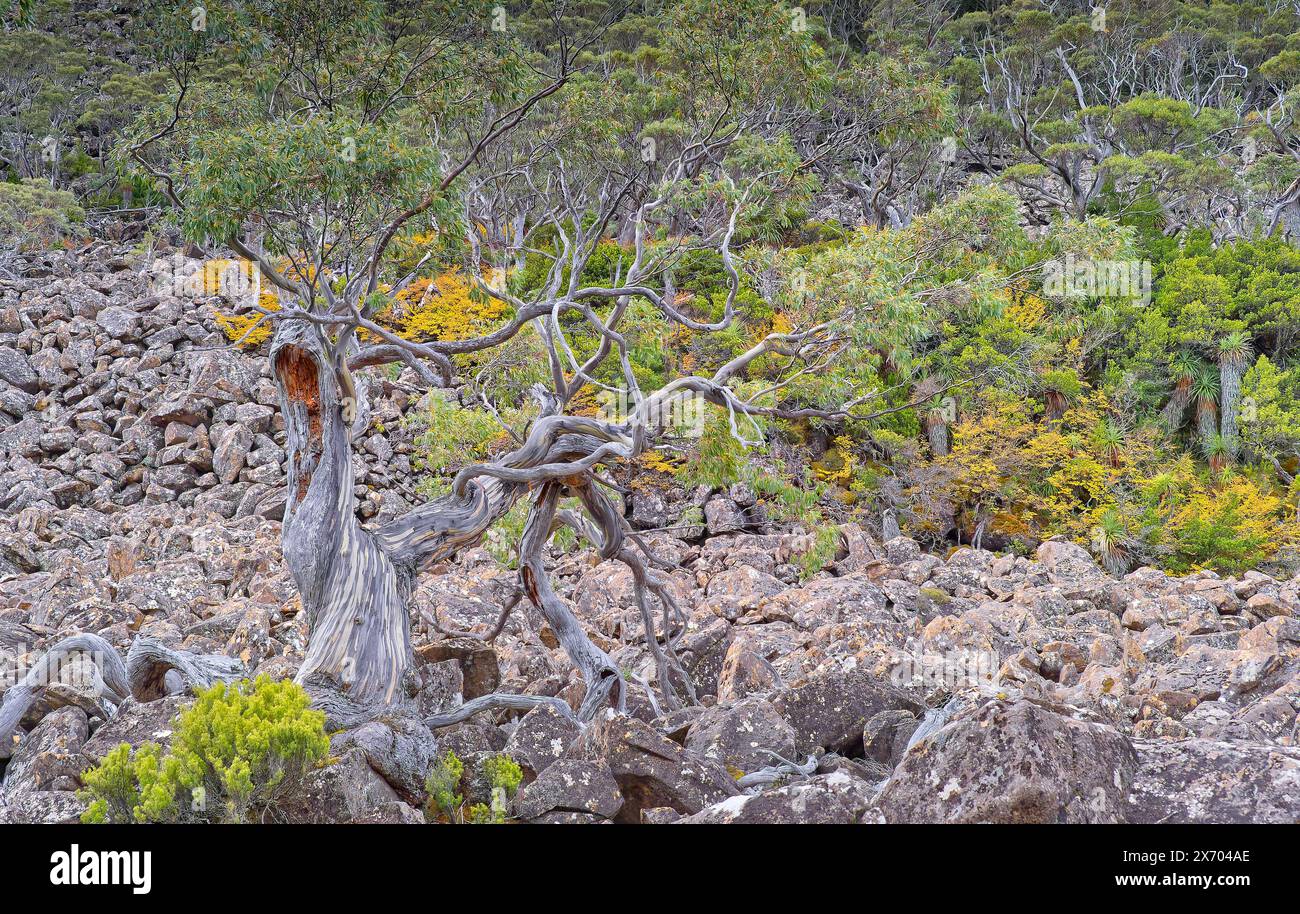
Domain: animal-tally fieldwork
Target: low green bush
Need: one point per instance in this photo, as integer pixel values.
(236, 751)
(447, 804)
(34, 215)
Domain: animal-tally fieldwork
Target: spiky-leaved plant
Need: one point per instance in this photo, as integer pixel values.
(1219, 453)
(1234, 352)
(1205, 390)
(1111, 542)
(1061, 387)
(1108, 439)
(1183, 368)
(1161, 490)
(936, 426)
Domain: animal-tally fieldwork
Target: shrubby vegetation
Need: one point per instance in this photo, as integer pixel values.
(235, 751)
(34, 215)
(502, 775)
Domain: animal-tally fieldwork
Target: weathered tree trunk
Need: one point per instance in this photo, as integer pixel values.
(24, 693)
(1207, 421)
(154, 670)
(603, 678)
(356, 585)
(889, 528)
(355, 598)
(936, 430)
(1176, 408)
(355, 595)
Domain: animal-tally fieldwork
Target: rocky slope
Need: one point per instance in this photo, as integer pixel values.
(140, 471)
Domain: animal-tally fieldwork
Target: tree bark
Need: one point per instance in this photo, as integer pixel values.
(354, 596)
(937, 431)
(1230, 374)
(24, 693)
(1207, 422)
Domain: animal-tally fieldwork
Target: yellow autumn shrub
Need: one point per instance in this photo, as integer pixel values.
(1229, 527)
(443, 307)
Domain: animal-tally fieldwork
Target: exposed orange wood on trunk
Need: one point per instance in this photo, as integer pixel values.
(297, 371)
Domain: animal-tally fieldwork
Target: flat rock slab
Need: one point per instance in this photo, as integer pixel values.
(652, 770)
(571, 786)
(826, 799)
(541, 738)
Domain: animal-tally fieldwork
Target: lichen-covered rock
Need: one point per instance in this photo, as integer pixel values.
(652, 770)
(742, 736)
(571, 786)
(829, 711)
(722, 515)
(745, 671)
(885, 736)
(831, 799)
(541, 738)
(42, 807)
(1014, 762)
(395, 813)
(1199, 780)
(1068, 561)
(48, 753)
(400, 748)
(135, 723)
(736, 591)
(480, 670)
(348, 790)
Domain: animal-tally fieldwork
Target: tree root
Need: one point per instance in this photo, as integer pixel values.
(607, 531)
(112, 677)
(764, 777)
(602, 676)
(148, 662)
(500, 701)
(490, 635)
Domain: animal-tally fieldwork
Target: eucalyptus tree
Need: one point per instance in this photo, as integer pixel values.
(1080, 107)
(885, 133)
(352, 127)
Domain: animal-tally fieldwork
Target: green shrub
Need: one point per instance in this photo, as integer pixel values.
(236, 751)
(503, 776)
(719, 459)
(35, 215)
(125, 789)
(442, 785)
(450, 437)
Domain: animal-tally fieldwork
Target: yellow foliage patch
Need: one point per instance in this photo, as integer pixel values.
(443, 308)
(244, 328)
(236, 279)
(656, 462)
